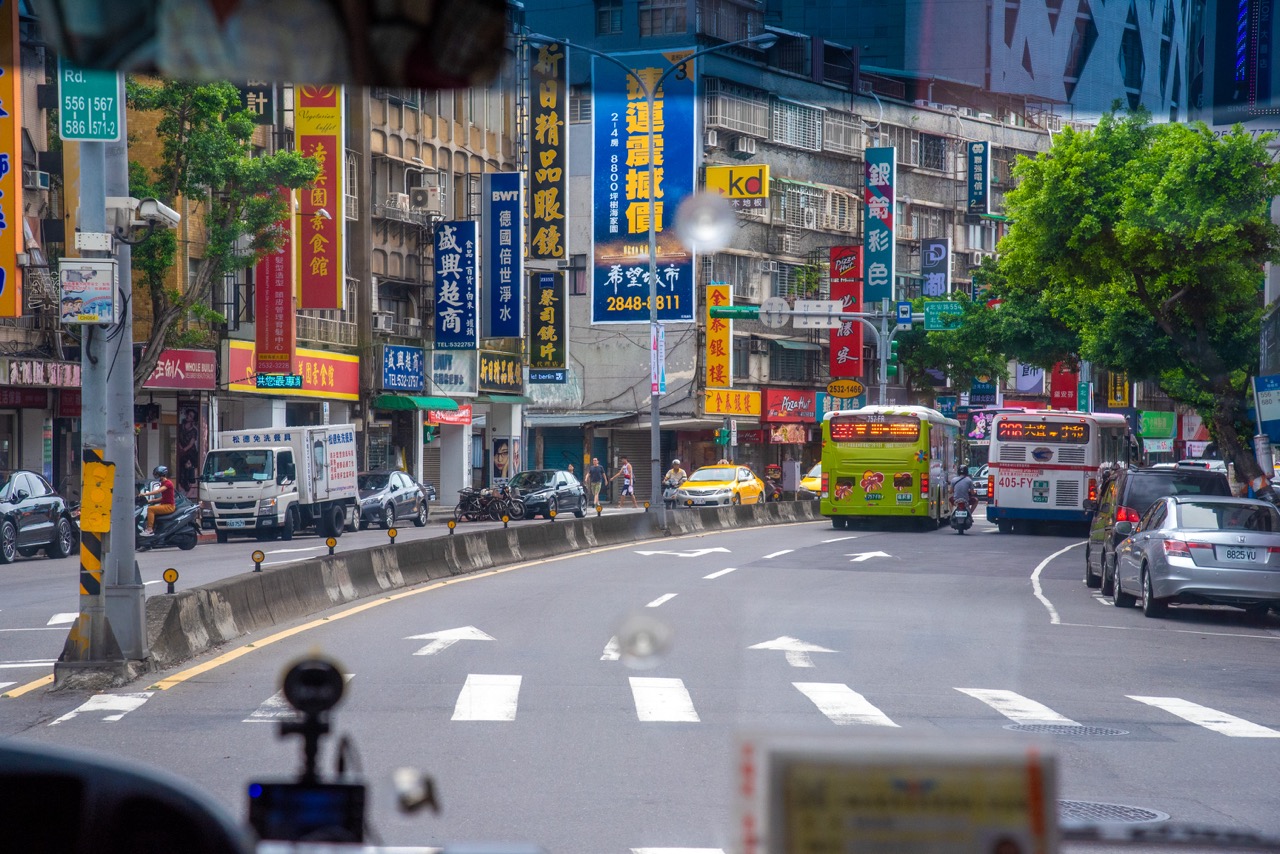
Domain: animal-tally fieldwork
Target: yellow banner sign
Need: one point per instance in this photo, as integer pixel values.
(719, 339)
(727, 401)
(845, 388)
(1117, 389)
(746, 187)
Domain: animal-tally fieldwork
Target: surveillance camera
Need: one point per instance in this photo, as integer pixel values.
(155, 212)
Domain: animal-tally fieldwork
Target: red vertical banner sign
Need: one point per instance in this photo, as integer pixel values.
(10, 162)
(846, 286)
(1063, 385)
(275, 313)
(321, 279)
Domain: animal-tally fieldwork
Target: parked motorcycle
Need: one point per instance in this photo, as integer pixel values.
(962, 515)
(180, 528)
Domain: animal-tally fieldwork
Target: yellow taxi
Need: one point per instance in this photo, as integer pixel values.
(720, 484)
(811, 484)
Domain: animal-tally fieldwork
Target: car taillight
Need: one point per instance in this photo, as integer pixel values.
(1093, 489)
(1127, 514)
(1175, 547)
(825, 480)
(924, 484)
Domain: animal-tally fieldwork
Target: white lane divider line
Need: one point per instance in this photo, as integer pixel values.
(841, 539)
(778, 554)
(719, 573)
(4, 685)
(488, 697)
(63, 619)
(276, 708)
(1054, 619)
(289, 551)
(118, 705)
(843, 705)
(17, 665)
(656, 602)
(677, 851)
(662, 700)
(1016, 707)
(1209, 718)
(611, 650)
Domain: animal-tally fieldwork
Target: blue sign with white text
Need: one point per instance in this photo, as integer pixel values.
(503, 280)
(979, 177)
(403, 368)
(457, 325)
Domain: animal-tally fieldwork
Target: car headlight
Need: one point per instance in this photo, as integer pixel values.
(266, 507)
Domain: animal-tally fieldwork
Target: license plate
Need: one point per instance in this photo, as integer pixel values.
(962, 514)
(1235, 553)
(235, 523)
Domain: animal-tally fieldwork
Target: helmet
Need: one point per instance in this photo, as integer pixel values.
(675, 462)
(161, 471)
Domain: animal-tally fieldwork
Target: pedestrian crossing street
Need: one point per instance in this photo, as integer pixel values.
(495, 698)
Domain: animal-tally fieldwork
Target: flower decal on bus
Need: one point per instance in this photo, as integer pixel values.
(844, 489)
(871, 481)
(903, 480)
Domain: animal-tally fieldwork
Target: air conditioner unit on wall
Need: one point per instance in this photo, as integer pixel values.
(810, 217)
(429, 199)
(33, 179)
(743, 146)
(758, 345)
(413, 322)
(712, 139)
(768, 265)
(399, 201)
(383, 321)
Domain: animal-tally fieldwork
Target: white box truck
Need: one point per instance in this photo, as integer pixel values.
(274, 482)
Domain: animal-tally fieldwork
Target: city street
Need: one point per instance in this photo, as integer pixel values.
(509, 690)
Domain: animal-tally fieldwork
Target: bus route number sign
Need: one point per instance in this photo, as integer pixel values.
(1040, 491)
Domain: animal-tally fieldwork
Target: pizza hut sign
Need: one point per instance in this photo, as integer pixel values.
(790, 405)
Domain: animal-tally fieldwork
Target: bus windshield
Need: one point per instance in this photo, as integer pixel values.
(875, 428)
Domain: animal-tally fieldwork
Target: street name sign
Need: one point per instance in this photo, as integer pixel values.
(941, 315)
(88, 104)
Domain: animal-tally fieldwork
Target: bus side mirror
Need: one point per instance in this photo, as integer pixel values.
(1090, 505)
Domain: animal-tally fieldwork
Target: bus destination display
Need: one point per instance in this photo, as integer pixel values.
(1063, 433)
(875, 428)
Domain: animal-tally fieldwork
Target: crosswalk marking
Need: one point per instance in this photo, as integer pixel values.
(843, 705)
(1016, 707)
(488, 697)
(1209, 718)
(118, 705)
(659, 700)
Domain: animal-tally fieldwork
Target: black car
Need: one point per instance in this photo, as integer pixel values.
(33, 516)
(1127, 494)
(386, 496)
(544, 490)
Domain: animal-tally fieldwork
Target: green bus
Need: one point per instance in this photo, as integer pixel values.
(888, 462)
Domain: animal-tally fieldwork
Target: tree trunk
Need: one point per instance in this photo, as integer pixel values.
(1239, 451)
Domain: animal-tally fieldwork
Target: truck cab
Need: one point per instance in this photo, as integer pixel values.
(249, 490)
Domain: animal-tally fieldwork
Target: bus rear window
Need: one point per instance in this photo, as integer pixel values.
(1059, 432)
(875, 428)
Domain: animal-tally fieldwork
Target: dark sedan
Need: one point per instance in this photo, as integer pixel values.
(545, 490)
(33, 517)
(386, 496)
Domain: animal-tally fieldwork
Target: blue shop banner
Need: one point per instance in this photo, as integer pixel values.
(621, 192)
(878, 255)
(403, 368)
(935, 266)
(457, 323)
(503, 280)
(979, 177)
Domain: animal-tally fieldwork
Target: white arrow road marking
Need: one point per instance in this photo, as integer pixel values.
(840, 539)
(611, 650)
(665, 598)
(859, 557)
(843, 705)
(662, 700)
(442, 640)
(487, 697)
(118, 704)
(63, 619)
(1209, 718)
(719, 573)
(277, 708)
(690, 553)
(1016, 707)
(778, 554)
(797, 650)
(4, 685)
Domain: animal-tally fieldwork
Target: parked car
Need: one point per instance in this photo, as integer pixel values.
(545, 490)
(811, 485)
(1200, 550)
(386, 496)
(980, 482)
(33, 517)
(721, 484)
(1123, 497)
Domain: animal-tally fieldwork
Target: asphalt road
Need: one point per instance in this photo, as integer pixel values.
(535, 731)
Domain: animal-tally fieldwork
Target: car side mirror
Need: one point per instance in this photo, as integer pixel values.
(1124, 529)
(19, 495)
(1090, 505)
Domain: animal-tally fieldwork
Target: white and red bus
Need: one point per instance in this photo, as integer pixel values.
(1044, 464)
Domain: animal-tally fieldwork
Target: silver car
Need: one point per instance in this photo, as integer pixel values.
(1202, 550)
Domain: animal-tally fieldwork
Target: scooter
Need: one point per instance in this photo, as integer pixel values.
(669, 493)
(962, 515)
(180, 528)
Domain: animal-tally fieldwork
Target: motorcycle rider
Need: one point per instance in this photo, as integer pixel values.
(672, 479)
(962, 489)
(166, 504)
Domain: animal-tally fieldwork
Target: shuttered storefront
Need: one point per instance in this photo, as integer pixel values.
(561, 446)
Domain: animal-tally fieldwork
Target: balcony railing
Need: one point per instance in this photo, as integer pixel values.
(325, 331)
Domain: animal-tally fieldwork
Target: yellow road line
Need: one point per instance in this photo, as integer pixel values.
(30, 686)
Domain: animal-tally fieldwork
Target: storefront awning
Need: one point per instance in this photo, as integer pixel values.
(408, 402)
(787, 344)
(562, 419)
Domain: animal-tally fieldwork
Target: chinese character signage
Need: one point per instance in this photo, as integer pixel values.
(42, 372)
(1030, 379)
(846, 286)
(548, 330)
(979, 177)
(88, 290)
(789, 404)
(403, 368)
(10, 162)
(185, 369)
(983, 392)
(935, 266)
(454, 373)
(878, 252)
(259, 99)
(501, 373)
(719, 339)
(325, 375)
(319, 129)
(278, 381)
(548, 152)
(459, 416)
(727, 401)
(621, 194)
(1117, 389)
(457, 314)
(273, 298)
(746, 187)
(503, 194)
(1063, 384)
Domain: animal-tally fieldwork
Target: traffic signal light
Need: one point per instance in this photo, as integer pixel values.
(891, 366)
(722, 436)
(430, 432)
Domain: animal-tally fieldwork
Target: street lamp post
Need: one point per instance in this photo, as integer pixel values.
(765, 41)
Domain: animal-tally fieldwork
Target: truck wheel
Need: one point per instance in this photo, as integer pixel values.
(337, 521)
(290, 524)
(221, 536)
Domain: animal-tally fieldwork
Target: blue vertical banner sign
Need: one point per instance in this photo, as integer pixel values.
(878, 273)
(548, 329)
(979, 177)
(457, 325)
(503, 279)
(935, 266)
(403, 368)
(621, 191)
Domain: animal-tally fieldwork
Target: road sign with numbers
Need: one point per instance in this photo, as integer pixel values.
(940, 315)
(89, 104)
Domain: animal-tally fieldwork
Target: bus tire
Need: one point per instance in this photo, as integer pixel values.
(839, 522)
(1005, 526)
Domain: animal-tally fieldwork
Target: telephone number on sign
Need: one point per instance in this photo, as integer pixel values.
(637, 303)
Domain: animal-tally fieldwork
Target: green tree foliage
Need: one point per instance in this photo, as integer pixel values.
(1141, 246)
(207, 157)
(957, 353)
